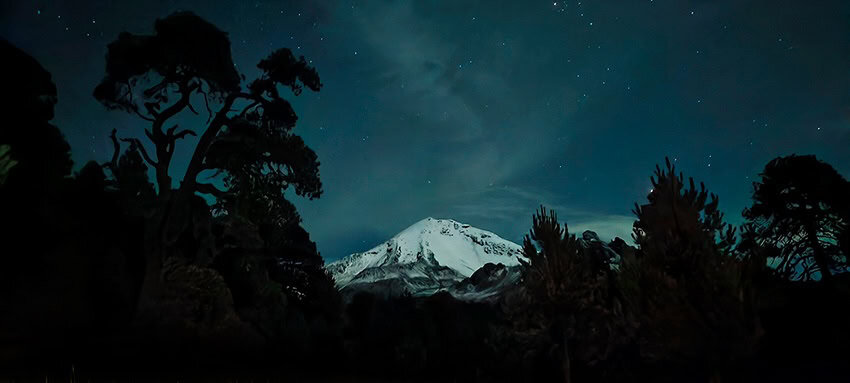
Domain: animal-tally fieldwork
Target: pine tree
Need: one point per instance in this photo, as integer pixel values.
(685, 285)
(568, 304)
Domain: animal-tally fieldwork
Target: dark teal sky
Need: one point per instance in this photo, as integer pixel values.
(481, 110)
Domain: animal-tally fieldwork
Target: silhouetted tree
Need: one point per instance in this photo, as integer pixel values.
(567, 305)
(35, 161)
(129, 177)
(802, 208)
(70, 258)
(275, 272)
(685, 285)
(247, 137)
(35, 150)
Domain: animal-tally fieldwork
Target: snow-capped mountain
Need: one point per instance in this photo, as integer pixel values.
(430, 255)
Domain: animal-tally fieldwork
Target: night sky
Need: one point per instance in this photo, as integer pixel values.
(480, 111)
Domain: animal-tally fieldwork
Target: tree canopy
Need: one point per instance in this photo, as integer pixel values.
(247, 137)
(801, 207)
(684, 284)
(33, 149)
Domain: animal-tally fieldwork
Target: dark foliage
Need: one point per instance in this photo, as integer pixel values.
(258, 264)
(184, 47)
(36, 156)
(801, 208)
(690, 294)
(187, 60)
(79, 250)
(436, 337)
(567, 312)
(681, 303)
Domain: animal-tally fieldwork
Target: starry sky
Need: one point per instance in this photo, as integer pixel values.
(480, 111)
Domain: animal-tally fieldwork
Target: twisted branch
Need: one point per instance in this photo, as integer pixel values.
(135, 144)
(114, 162)
(205, 188)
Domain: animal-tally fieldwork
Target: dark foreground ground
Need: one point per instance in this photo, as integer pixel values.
(806, 340)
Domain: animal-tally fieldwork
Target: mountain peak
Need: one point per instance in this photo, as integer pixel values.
(428, 255)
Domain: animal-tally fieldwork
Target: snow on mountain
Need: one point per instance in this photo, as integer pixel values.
(428, 256)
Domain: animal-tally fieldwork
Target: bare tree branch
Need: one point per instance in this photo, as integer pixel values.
(137, 145)
(207, 103)
(150, 135)
(196, 164)
(192, 108)
(249, 107)
(152, 107)
(183, 133)
(129, 94)
(114, 162)
(176, 107)
(156, 88)
(205, 188)
(142, 116)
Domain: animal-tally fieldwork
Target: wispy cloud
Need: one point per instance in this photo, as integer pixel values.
(508, 210)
